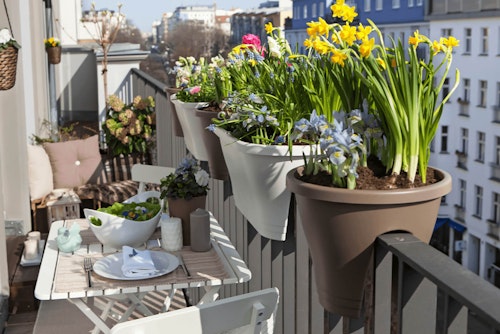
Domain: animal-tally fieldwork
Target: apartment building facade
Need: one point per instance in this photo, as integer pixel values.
(468, 140)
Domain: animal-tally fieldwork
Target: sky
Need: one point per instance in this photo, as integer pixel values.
(143, 12)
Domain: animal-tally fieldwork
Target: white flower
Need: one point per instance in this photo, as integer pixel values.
(201, 178)
(274, 47)
(5, 36)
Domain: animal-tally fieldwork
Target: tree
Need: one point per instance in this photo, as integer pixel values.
(103, 28)
(194, 39)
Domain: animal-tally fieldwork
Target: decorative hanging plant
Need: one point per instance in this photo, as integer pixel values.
(53, 48)
(8, 59)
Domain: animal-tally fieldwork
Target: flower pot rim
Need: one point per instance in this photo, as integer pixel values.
(376, 197)
(261, 149)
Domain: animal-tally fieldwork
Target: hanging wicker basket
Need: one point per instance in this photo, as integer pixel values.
(54, 54)
(8, 67)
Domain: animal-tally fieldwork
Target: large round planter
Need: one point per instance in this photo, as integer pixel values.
(182, 208)
(186, 112)
(117, 232)
(176, 125)
(258, 175)
(216, 162)
(341, 226)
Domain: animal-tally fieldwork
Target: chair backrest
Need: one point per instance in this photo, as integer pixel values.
(250, 310)
(149, 174)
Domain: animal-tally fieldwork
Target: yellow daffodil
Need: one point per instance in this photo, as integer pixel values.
(415, 39)
(321, 47)
(348, 34)
(349, 14)
(437, 47)
(363, 32)
(338, 57)
(269, 27)
(381, 62)
(308, 43)
(366, 47)
(323, 27)
(338, 8)
(450, 42)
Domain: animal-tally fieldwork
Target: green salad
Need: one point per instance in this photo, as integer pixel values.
(140, 211)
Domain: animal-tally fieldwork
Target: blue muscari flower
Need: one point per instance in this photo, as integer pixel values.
(260, 118)
(279, 140)
(259, 58)
(271, 75)
(211, 127)
(257, 74)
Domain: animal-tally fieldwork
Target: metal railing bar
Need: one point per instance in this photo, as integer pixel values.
(463, 285)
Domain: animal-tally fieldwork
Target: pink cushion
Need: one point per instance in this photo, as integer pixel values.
(75, 162)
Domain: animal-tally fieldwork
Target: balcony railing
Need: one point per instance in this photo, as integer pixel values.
(413, 287)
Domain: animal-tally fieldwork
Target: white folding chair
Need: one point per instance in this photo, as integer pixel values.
(149, 174)
(243, 314)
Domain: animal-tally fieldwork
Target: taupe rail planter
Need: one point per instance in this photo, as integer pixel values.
(341, 226)
(216, 162)
(176, 125)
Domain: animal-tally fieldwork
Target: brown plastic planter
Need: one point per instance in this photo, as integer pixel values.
(341, 226)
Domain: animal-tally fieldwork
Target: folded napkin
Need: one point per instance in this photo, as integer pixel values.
(137, 263)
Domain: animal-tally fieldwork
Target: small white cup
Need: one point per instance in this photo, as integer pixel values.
(171, 233)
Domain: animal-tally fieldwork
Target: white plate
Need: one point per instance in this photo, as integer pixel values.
(111, 265)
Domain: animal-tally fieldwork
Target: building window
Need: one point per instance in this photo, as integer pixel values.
(483, 88)
(495, 216)
(481, 142)
(420, 3)
(484, 41)
(444, 138)
(497, 151)
(410, 3)
(478, 194)
(464, 139)
(379, 4)
(304, 12)
(396, 4)
(314, 10)
(368, 5)
(446, 88)
(498, 95)
(466, 94)
(463, 192)
(468, 40)
(321, 9)
(446, 32)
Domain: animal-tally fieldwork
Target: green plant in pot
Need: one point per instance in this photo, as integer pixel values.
(198, 100)
(130, 128)
(342, 213)
(185, 190)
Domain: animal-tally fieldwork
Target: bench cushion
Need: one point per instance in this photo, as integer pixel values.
(40, 172)
(75, 162)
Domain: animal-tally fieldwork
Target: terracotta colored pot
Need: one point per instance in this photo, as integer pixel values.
(182, 209)
(341, 226)
(176, 125)
(216, 162)
(54, 54)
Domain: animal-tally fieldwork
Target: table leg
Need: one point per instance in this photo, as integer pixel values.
(78, 302)
(211, 294)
